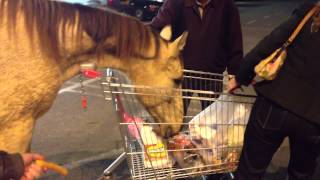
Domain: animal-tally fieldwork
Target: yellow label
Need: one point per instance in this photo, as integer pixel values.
(156, 150)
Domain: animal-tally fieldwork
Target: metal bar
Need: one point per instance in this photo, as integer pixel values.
(114, 164)
(224, 119)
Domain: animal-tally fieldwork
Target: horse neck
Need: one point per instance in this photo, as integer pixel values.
(73, 67)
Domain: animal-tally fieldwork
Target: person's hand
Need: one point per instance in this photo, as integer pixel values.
(31, 170)
(232, 85)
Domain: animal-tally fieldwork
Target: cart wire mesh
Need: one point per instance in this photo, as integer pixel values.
(212, 128)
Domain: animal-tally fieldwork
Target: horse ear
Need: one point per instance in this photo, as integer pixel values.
(166, 33)
(178, 45)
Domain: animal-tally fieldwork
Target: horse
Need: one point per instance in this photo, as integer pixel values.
(44, 43)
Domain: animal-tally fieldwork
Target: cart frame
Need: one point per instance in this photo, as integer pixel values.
(118, 86)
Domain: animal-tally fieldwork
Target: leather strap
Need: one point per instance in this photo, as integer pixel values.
(300, 26)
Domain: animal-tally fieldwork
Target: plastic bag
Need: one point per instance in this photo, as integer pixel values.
(220, 128)
(226, 110)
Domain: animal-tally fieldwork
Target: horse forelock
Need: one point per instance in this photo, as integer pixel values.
(51, 20)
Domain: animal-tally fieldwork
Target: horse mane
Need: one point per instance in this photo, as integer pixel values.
(50, 20)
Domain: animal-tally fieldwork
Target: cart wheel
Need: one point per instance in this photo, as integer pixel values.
(228, 176)
(105, 177)
(115, 177)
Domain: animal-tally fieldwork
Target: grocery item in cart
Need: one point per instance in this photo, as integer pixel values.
(134, 126)
(156, 154)
(185, 153)
(221, 123)
(219, 129)
(222, 147)
(227, 109)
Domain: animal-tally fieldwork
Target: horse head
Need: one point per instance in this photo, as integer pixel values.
(116, 41)
(160, 69)
(164, 75)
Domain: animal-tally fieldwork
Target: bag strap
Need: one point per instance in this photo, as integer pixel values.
(300, 26)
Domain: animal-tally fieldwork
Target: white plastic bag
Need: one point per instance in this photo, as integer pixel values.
(226, 110)
(220, 127)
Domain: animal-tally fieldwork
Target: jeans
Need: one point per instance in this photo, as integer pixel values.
(268, 125)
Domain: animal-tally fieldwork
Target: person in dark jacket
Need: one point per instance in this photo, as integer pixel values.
(214, 32)
(19, 166)
(214, 41)
(287, 106)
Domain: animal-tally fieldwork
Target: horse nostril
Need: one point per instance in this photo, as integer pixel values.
(169, 133)
(177, 81)
(157, 130)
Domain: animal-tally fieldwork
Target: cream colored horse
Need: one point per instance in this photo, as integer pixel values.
(43, 43)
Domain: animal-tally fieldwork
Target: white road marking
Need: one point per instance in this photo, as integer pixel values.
(70, 82)
(251, 22)
(266, 17)
(87, 93)
(93, 86)
(77, 85)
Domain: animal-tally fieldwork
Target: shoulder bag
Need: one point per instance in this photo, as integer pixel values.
(268, 68)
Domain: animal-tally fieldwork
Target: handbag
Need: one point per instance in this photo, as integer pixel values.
(268, 68)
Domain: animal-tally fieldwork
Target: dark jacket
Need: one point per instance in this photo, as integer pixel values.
(11, 166)
(297, 86)
(214, 42)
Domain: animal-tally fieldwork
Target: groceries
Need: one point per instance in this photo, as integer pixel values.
(156, 154)
(213, 142)
(226, 110)
(185, 153)
(197, 155)
(134, 124)
(219, 131)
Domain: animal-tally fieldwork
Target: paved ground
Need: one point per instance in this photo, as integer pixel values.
(87, 141)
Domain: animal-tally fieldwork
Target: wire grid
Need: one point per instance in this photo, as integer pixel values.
(216, 132)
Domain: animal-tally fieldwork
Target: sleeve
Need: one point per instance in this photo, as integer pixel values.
(234, 40)
(11, 166)
(165, 16)
(269, 44)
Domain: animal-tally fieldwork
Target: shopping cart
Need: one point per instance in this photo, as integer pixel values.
(212, 132)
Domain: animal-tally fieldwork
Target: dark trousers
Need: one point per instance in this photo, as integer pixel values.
(205, 86)
(268, 125)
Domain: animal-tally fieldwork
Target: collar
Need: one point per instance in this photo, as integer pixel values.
(192, 3)
(202, 5)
